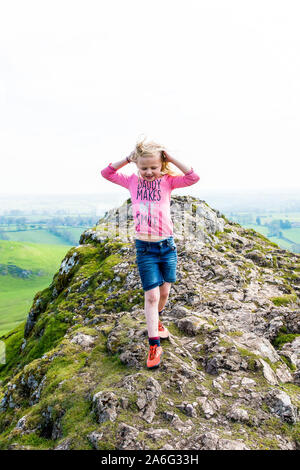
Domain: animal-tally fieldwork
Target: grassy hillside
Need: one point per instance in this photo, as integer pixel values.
(25, 268)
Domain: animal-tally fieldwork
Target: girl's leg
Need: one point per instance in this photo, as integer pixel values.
(164, 291)
(151, 311)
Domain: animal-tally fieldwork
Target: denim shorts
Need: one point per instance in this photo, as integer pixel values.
(156, 262)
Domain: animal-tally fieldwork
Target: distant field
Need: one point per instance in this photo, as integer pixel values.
(17, 293)
(35, 236)
(290, 236)
(268, 217)
(15, 304)
(42, 235)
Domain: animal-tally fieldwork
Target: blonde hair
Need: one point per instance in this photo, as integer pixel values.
(146, 149)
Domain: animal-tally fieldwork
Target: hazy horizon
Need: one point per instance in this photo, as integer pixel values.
(98, 203)
(206, 190)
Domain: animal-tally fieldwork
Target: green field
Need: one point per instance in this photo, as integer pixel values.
(292, 234)
(42, 235)
(17, 293)
(34, 236)
(281, 228)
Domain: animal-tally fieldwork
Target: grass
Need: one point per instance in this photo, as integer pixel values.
(12, 341)
(31, 255)
(284, 299)
(283, 337)
(17, 293)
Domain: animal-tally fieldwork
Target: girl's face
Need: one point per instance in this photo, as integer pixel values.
(150, 166)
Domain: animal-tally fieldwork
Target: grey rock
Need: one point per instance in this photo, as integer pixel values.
(68, 263)
(64, 445)
(207, 407)
(156, 434)
(268, 373)
(296, 377)
(147, 400)
(238, 414)
(280, 404)
(85, 341)
(188, 408)
(95, 438)
(227, 444)
(127, 438)
(21, 424)
(105, 405)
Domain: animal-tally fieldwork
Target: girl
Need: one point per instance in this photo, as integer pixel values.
(156, 252)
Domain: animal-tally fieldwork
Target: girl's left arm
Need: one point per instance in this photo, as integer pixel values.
(110, 172)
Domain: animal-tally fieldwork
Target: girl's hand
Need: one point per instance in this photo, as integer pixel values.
(168, 157)
(182, 167)
(130, 156)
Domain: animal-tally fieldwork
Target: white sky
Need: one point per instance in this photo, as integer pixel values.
(217, 82)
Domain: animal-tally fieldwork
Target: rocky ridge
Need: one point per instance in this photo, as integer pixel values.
(75, 376)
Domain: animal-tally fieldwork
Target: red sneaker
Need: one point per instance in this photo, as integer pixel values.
(155, 353)
(162, 330)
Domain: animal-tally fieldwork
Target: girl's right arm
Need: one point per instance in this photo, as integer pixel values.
(110, 172)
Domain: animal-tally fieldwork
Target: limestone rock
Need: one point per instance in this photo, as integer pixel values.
(127, 438)
(95, 439)
(281, 405)
(147, 400)
(85, 341)
(105, 405)
(238, 414)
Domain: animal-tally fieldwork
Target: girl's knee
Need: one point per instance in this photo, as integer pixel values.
(152, 296)
(165, 289)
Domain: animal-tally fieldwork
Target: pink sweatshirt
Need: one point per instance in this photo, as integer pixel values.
(151, 199)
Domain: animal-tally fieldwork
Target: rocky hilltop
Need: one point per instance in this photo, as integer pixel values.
(75, 375)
